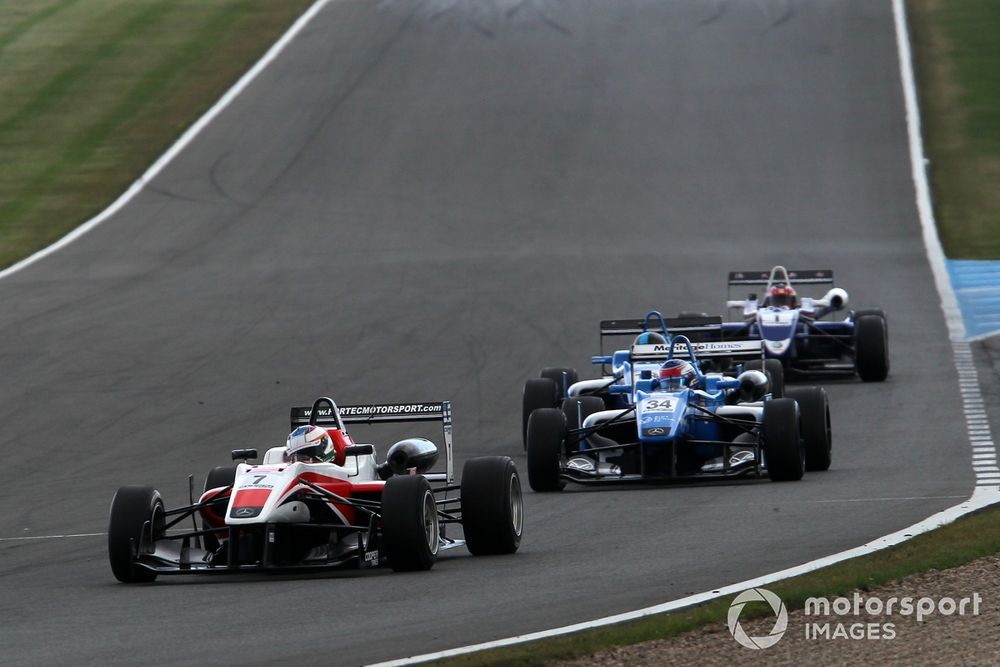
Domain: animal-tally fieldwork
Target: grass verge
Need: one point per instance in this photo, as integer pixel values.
(95, 90)
(957, 56)
(967, 539)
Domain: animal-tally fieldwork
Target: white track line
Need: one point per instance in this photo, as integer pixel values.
(987, 490)
(48, 537)
(178, 146)
(918, 162)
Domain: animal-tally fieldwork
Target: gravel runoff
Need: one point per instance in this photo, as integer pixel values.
(937, 640)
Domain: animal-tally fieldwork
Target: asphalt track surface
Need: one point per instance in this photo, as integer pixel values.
(431, 200)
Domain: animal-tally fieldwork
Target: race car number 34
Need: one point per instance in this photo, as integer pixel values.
(658, 405)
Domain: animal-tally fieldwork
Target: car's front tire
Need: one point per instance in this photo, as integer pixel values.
(218, 476)
(814, 421)
(782, 442)
(871, 347)
(410, 528)
(492, 506)
(131, 508)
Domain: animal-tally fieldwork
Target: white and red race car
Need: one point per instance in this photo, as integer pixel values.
(347, 512)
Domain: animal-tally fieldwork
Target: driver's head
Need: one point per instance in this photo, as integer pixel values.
(309, 444)
(677, 373)
(782, 296)
(650, 338)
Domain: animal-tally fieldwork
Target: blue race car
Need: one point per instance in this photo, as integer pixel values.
(716, 355)
(802, 332)
(673, 421)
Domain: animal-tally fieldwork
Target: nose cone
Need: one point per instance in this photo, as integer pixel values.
(777, 347)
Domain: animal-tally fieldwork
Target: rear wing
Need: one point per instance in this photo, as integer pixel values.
(382, 413)
(697, 328)
(798, 277)
(736, 349)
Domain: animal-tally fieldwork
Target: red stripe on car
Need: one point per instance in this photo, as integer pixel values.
(251, 498)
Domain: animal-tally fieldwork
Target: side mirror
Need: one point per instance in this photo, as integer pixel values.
(244, 454)
(753, 386)
(359, 450)
(646, 374)
(418, 453)
(836, 298)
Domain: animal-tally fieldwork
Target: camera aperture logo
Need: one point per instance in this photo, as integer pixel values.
(854, 618)
(780, 622)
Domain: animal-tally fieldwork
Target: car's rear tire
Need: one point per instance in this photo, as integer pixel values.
(131, 508)
(871, 347)
(538, 393)
(814, 422)
(782, 442)
(563, 377)
(577, 409)
(410, 529)
(217, 477)
(492, 506)
(546, 440)
(774, 371)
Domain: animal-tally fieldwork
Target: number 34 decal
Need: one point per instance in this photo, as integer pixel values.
(659, 404)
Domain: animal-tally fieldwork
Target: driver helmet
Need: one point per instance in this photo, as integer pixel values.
(677, 373)
(650, 338)
(309, 444)
(782, 296)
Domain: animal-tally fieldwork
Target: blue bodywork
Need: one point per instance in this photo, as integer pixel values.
(667, 431)
(799, 332)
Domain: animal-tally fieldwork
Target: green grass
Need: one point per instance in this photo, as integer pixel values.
(93, 91)
(967, 539)
(957, 53)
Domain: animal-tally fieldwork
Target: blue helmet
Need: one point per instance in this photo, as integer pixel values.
(650, 338)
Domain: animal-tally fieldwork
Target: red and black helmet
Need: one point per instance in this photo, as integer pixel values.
(782, 296)
(677, 373)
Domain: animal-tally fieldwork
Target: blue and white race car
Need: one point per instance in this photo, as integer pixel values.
(674, 421)
(551, 387)
(803, 332)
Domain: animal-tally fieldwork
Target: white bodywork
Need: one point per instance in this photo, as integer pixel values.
(260, 491)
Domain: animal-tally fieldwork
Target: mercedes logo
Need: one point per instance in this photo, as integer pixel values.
(244, 512)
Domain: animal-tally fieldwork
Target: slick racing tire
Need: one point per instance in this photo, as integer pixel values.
(546, 438)
(217, 476)
(538, 393)
(782, 443)
(131, 508)
(814, 422)
(492, 506)
(871, 347)
(410, 528)
(873, 311)
(774, 371)
(563, 377)
(577, 409)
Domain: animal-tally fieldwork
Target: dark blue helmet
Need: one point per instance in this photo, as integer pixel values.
(650, 338)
